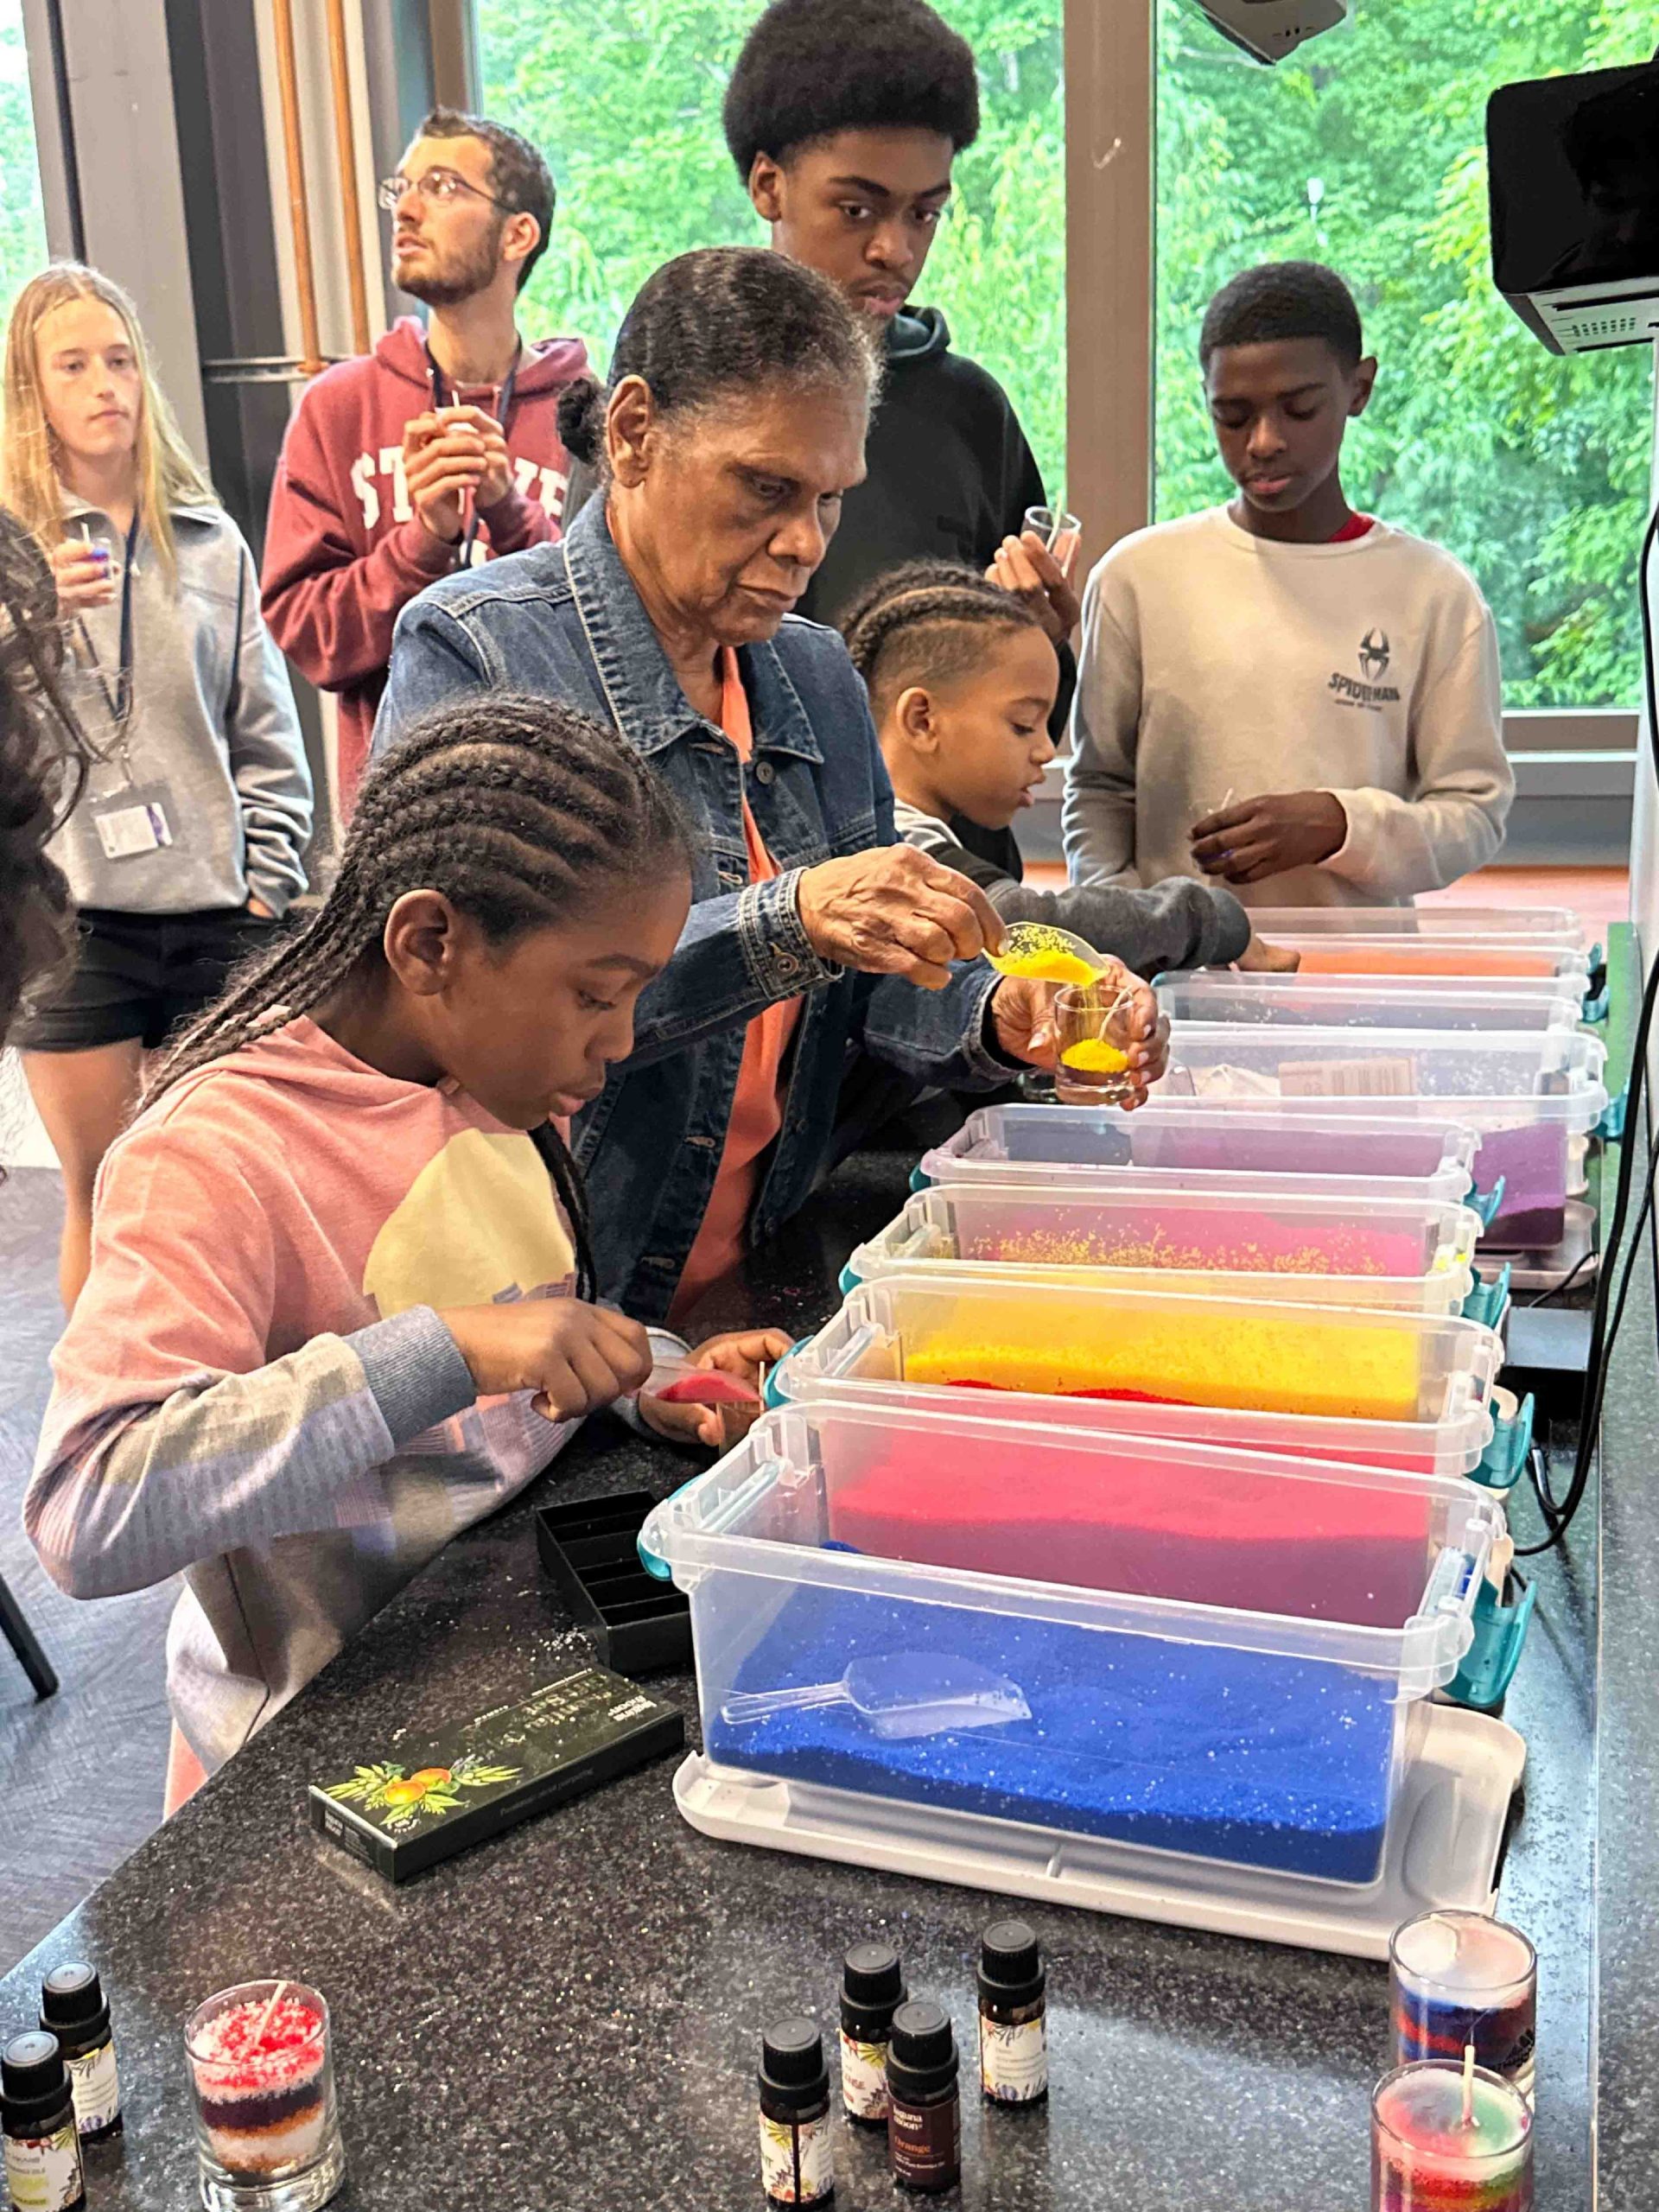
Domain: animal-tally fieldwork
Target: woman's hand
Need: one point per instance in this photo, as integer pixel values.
(573, 1355)
(893, 911)
(1026, 568)
(1264, 836)
(747, 1353)
(83, 574)
(1259, 958)
(1023, 1010)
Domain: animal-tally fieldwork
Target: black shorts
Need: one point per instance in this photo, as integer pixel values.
(136, 977)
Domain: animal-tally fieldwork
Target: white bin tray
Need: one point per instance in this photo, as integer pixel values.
(1444, 1852)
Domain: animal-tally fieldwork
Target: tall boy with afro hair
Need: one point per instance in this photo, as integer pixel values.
(844, 118)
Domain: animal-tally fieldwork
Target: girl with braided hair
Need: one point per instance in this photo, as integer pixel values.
(338, 1300)
(962, 678)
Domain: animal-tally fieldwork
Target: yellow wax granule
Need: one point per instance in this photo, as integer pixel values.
(1265, 1363)
(1093, 1056)
(1046, 968)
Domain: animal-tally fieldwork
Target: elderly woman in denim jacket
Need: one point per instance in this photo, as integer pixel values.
(736, 418)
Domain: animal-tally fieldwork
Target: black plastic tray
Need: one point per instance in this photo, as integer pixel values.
(636, 1623)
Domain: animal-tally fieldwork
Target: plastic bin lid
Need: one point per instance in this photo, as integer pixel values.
(875, 1315)
(1536, 924)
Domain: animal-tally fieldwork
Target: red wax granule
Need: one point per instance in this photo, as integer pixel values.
(710, 1388)
(1113, 1513)
(242, 2060)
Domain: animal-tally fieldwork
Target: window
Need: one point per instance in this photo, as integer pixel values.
(624, 96)
(22, 221)
(1366, 151)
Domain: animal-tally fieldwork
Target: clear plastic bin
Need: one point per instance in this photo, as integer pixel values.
(1528, 1095)
(1373, 1002)
(1466, 959)
(1381, 1389)
(1410, 1255)
(1181, 1144)
(1206, 1653)
(1542, 925)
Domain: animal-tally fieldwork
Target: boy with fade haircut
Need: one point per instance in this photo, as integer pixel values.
(844, 118)
(439, 449)
(962, 681)
(1296, 700)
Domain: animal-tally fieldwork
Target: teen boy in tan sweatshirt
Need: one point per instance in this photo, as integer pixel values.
(1293, 699)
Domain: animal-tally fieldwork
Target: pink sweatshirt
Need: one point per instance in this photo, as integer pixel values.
(345, 552)
(256, 1388)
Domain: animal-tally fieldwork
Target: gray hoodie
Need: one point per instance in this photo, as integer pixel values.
(1180, 924)
(212, 736)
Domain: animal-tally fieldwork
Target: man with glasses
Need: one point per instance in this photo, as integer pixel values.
(440, 447)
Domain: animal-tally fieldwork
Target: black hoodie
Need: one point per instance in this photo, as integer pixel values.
(949, 472)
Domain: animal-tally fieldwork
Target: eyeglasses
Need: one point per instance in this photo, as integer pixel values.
(437, 187)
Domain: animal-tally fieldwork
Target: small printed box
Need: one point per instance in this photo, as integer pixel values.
(401, 1814)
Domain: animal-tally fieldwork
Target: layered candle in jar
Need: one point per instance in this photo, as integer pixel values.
(1460, 1978)
(267, 2131)
(1445, 2139)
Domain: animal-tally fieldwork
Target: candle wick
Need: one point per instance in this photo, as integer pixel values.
(1469, 2119)
(276, 1998)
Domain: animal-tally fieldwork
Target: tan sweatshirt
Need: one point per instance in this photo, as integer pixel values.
(1214, 662)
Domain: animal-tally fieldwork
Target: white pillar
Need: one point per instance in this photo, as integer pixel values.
(1644, 823)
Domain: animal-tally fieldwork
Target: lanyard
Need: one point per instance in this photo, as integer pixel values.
(118, 697)
(441, 398)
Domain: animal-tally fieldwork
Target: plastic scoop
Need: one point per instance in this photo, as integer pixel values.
(902, 1694)
(678, 1383)
(1046, 955)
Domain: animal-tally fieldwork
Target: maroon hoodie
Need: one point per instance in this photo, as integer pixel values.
(344, 551)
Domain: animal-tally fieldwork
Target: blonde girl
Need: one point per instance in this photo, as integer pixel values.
(185, 846)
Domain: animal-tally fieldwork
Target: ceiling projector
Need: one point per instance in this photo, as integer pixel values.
(1270, 29)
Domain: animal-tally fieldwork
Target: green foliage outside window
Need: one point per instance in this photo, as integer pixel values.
(22, 223)
(1364, 150)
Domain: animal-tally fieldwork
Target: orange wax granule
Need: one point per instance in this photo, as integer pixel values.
(1421, 959)
(1265, 1363)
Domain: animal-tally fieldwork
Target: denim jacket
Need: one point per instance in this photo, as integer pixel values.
(565, 620)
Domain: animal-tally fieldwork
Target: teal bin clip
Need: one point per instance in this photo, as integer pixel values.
(1489, 1666)
(1596, 1004)
(918, 1180)
(1486, 1203)
(774, 1393)
(1612, 1124)
(1488, 1302)
(1505, 1456)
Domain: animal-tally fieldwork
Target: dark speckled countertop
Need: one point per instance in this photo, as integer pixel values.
(569, 2016)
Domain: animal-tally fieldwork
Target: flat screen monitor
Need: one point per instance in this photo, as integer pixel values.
(1574, 173)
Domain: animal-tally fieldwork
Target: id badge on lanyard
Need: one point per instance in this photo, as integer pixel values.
(133, 820)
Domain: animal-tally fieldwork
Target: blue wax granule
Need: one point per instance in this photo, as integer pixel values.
(1219, 1753)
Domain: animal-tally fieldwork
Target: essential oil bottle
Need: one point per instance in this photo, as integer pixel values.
(1012, 2015)
(924, 2118)
(37, 2113)
(73, 2009)
(872, 1990)
(797, 2161)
